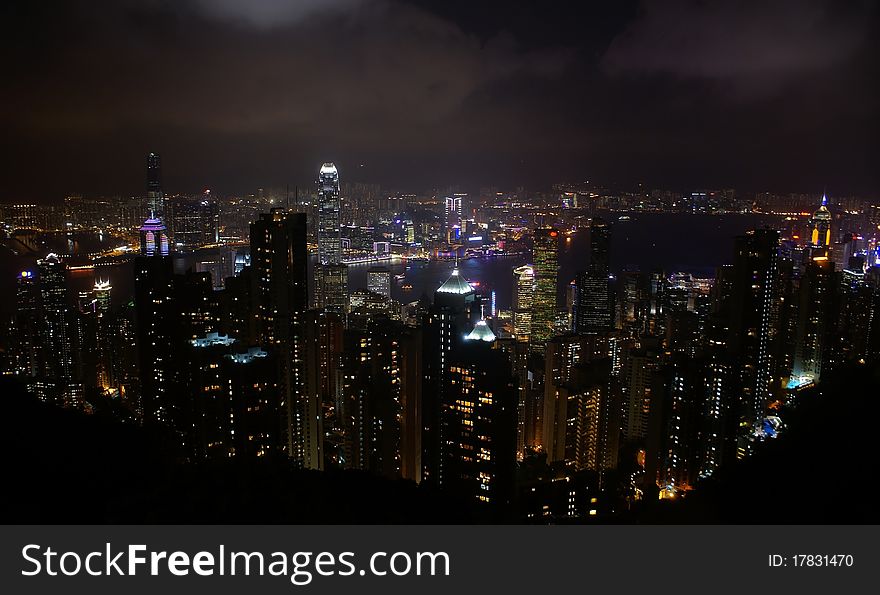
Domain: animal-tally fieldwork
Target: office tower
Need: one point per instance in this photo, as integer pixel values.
(452, 213)
(329, 239)
(26, 331)
(279, 258)
(594, 308)
(478, 422)
(104, 335)
(814, 320)
(545, 255)
(331, 288)
(820, 230)
(56, 338)
(523, 301)
(379, 281)
(331, 276)
(194, 221)
(155, 197)
(444, 325)
(753, 312)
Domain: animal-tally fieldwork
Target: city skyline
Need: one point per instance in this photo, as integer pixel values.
(409, 261)
(244, 339)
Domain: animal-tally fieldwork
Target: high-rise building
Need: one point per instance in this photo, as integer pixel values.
(331, 288)
(523, 301)
(594, 308)
(154, 238)
(444, 325)
(379, 281)
(280, 259)
(56, 336)
(452, 213)
(194, 221)
(478, 422)
(329, 239)
(820, 229)
(104, 331)
(155, 198)
(754, 319)
(331, 275)
(545, 255)
(26, 332)
(814, 325)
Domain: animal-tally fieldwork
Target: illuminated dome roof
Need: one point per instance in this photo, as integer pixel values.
(481, 332)
(328, 168)
(456, 284)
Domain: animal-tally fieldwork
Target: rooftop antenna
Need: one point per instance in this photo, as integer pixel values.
(288, 196)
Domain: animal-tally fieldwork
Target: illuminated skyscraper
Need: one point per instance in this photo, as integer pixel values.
(753, 325)
(56, 334)
(820, 229)
(814, 325)
(452, 217)
(331, 275)
(546, 258)
(104, 335)
(155, 197)
(279, 258)
(194, 221)
(329, 239)
(26, 345)
(523, 301)
(478, 421)
(154, 238)
(594, 308)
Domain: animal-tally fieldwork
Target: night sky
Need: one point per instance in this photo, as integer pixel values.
(780, 95)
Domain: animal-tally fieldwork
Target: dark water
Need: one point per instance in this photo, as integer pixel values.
(695, 244)
(673, 242)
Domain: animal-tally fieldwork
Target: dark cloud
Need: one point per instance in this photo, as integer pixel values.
(749, 42)
(272, 13)
(413, 93)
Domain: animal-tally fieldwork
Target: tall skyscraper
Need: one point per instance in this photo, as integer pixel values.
(814, 325)
(155, 197)
(331, 275)
(478, 421)
(56, 336)
(820, 229)
(523, 301)
(280, 259)
(329, 239)
(194, 221)
(452, 213)
(594, 308)
(545, 255)
(26, 327)
(104, 335)
(753, 325)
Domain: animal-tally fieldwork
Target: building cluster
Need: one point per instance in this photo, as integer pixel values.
(571, 405)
